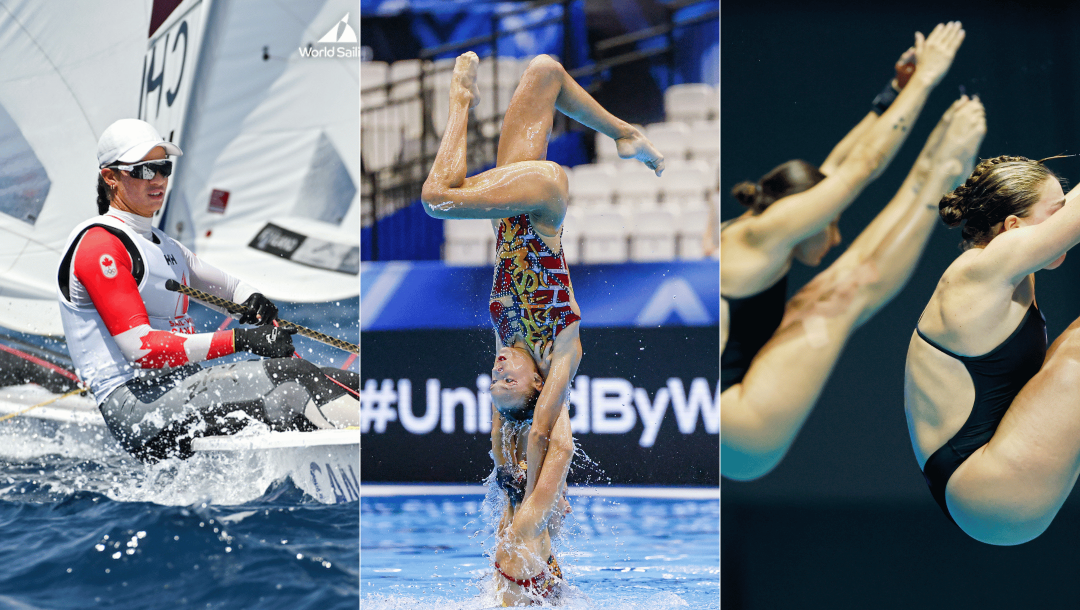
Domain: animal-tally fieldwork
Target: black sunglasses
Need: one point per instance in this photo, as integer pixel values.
(145, 170)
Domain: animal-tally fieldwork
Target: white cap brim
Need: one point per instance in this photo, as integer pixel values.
(137, 152)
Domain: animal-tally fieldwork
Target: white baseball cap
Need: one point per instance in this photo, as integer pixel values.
(129, 140)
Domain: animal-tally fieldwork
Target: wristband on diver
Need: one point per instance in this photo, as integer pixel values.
(885, 98)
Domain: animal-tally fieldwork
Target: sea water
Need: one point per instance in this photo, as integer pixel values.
(617, 553)
(83, 525)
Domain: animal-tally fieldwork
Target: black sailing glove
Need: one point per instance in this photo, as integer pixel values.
(269, 341)
(259, 310)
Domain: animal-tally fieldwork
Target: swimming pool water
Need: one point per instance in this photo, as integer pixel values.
(616, 552)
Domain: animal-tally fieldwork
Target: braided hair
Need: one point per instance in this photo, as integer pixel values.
(785, 179)
(998, 188)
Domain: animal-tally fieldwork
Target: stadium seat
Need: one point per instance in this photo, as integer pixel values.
(652, 236)
(685, 185)
(603, 235)
(689, 102)
(468, 242)
(380, 136)
(704, 145)
(659, 130)
(441, 72)
(671, 139)
(372, 74)
(605, 148)
(405, 89)
(709, 125)
(691, 225)
(636, 187)
(510, 70)
(592, 185)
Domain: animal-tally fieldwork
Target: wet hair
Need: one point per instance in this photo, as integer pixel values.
(998, 188)
(104, 194)
(788, 178)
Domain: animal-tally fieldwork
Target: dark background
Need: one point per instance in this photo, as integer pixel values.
(846, 520)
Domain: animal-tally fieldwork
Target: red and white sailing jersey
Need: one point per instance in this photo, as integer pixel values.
(117, 314)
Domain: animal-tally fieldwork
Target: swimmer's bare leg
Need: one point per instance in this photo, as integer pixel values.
(546, 87)
(450, 165)
(538, 188)
(521, 182)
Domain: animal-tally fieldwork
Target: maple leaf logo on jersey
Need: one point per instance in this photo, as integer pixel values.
(164, 349)
(108, 266)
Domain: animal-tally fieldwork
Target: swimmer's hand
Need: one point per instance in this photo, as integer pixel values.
(541, 355)
(934, 53)
(268, 341)
(258, 310)
(960, 146)
(637, 146)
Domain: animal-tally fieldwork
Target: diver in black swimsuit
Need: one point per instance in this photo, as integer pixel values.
(783, 354)
(992, 412)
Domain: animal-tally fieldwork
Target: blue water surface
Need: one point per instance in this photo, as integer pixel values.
(616, 553)
(83, 525)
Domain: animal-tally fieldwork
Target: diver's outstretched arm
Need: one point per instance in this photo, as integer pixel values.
(761, 418)
(792, 219)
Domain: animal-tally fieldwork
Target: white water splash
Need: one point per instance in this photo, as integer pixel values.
(44, 459)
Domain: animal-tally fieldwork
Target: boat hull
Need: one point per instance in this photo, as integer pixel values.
(322, 463)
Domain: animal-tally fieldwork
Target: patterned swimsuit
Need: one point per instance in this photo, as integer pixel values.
(537, 281)
(544, 585)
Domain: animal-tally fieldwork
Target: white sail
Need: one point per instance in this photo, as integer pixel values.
(63, 80)
(268, 185)
(170, 67)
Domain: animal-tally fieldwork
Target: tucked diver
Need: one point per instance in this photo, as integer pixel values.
(134, 344)
(993, 414)
(782, 354)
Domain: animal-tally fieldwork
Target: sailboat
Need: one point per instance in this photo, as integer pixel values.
(264, 101)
